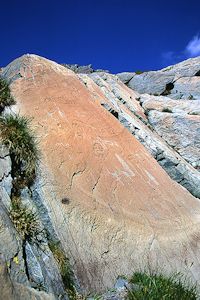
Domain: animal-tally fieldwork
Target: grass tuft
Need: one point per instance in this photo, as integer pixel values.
(25, 220)
(16, 134)
(64, 266)
(159, 287)
(138, 72)
(5, 97)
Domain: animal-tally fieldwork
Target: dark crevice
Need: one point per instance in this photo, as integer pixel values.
(197, 73)
(25, 259)
(111, 110)
(114, 113)
(168, 88)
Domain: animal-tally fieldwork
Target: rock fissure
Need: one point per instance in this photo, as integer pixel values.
(76, 173)
(5, 175)
(25, 259)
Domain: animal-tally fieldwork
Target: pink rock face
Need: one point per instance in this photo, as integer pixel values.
(124, 211)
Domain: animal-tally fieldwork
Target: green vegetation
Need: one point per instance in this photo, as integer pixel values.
(168, 69)
(191, 97)
(138, 72)
(16, 134)
(5, 97)
(159, 287)
(166, 109)
(64, 266)
(24, 220)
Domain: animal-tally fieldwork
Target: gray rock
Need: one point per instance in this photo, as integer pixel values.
(34, 269)
(24, 265)
(180, 81)
(166, 104)
(153, 82)
(186, 68)
(121, 283)
(182, 132)
(82, 69)
(5, 171)
(186, 88)
(125, 77)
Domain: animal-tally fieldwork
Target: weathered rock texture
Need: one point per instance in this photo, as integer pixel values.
(27, 270)
(174, 115)
(182, 132)
(123, 210)
(122, 103)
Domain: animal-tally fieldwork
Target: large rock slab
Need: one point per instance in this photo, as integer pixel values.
(186, 88)
(153, 82)
(187, 68)
(178, 123)
(166, 104)
(125, 77)
(182, 132)
(123, 211)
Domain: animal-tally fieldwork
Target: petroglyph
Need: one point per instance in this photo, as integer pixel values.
(98, 149)
(60, 100)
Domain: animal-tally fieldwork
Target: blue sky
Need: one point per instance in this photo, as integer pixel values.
(118, 35)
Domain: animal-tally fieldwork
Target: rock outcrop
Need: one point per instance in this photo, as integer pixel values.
(113, 206)
(27, 270)
(82, 69)
(180, 81)
(174, 115)
(124, 104)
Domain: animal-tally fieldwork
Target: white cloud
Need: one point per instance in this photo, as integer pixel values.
(193, 47)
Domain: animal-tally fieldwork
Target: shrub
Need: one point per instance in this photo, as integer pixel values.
(138, 72)
(16, 134)
(64, 266)
(160, 287)
(5, 96)
(24, 220)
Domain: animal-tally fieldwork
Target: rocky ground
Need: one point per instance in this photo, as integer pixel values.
(124, 150)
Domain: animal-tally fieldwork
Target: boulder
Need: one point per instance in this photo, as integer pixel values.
(153, 82)
(125, 77)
